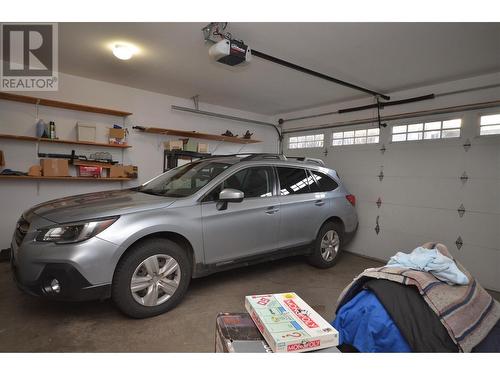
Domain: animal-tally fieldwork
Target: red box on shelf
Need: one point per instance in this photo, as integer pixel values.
(86, 171)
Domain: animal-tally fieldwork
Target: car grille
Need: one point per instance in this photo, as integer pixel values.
(22, 227)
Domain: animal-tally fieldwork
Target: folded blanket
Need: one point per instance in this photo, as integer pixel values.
(467, 312)
(430, 260)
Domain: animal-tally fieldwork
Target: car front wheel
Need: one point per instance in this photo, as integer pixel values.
(151, 278)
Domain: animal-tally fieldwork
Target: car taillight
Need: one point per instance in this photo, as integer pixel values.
(351, 198)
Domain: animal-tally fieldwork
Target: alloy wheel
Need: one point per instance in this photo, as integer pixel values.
(155, 280)
(330, 244)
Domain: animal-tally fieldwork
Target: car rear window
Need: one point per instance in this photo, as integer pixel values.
(323, 182)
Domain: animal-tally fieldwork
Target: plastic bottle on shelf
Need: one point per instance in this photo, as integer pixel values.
(41, 129)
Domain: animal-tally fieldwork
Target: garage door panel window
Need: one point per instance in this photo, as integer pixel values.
(306, 141)
(490, 124)
(427, 130)
(356, 137)
(294, 181)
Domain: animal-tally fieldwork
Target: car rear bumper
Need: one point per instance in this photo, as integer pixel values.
(348, 236)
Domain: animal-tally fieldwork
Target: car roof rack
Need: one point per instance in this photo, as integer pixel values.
(250, 156)
(247, 156)
(306, 160)
(262, 156)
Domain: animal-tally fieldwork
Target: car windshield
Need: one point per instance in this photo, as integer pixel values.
(185, 180)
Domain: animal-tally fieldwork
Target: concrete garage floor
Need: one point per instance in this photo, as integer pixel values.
(29, 324)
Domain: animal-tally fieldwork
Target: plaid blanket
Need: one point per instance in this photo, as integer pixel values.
(467, 312)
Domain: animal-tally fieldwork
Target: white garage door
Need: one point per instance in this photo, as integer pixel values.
(418, 184)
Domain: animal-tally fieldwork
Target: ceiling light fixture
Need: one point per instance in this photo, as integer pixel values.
(123, 51)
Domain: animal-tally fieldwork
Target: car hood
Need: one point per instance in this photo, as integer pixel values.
(96, 205)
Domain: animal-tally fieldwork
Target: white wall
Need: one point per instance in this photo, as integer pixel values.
(148, 108)
(421, 190)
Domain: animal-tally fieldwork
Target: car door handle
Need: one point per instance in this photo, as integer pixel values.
(272, 210)
(319, 202)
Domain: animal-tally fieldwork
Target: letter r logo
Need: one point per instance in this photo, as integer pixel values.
(27, 50)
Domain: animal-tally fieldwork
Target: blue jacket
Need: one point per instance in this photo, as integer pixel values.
(365, 324)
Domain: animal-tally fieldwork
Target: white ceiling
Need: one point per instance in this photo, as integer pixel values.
(381, 56)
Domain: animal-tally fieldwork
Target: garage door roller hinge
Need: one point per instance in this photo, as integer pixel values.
(459, 243)
(377, 227)
(467, 145)
(379, 202)
(381, 174)
(461, 210)
(464, 177)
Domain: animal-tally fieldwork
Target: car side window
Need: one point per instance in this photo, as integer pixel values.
(323, 182)
(254, 182)
(294, 181)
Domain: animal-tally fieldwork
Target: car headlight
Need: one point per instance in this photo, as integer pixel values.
(73, 232)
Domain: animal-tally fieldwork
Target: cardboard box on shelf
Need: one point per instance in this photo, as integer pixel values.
(55, 167)
(117, 171)
(35, 171)
(89, 171)
(203, 148)
(289, 324)
(173, 145)
(131, 171)
(117, 133)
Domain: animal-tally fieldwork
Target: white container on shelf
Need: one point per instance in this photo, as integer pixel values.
(86, 132)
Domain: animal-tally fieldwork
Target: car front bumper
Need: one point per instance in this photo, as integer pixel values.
(80, 271)
(60, 281)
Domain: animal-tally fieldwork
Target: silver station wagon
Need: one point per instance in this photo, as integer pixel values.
(142, 246)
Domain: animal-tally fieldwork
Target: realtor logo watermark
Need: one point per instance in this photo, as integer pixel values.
(29, 57)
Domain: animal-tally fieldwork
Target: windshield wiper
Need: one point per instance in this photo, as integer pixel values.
(150, 192)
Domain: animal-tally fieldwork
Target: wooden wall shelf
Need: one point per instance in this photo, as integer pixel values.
(64, 105)
(194, 134)
(47, 140)
(102, 179)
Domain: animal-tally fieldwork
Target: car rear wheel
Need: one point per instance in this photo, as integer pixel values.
(151, 278)
(327, 246)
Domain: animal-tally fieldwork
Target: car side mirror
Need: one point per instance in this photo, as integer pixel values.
(229, 195)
